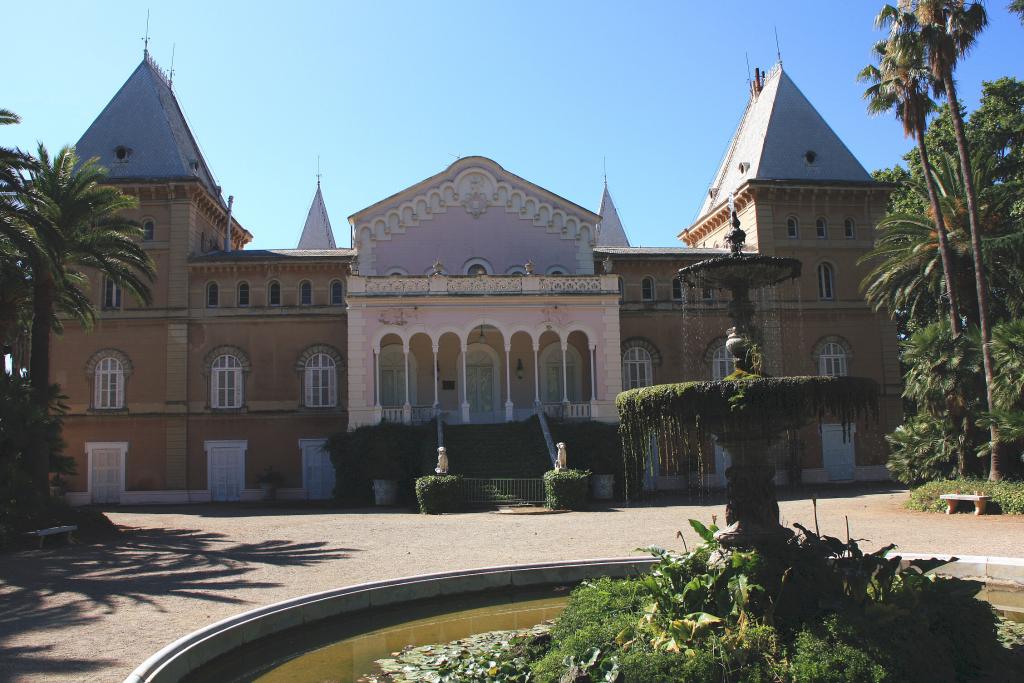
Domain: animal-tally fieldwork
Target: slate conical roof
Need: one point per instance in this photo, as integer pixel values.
(779, 129)
(317, 233)
(611, 234)
(142, 133)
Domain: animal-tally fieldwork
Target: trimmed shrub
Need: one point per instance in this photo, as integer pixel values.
(566, 489)
(384, 451)
(440, 493)
(1007, 496)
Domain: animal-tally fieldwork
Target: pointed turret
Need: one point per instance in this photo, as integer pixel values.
(142, 134)
(611, 233)
(317, 233)
(781, 137)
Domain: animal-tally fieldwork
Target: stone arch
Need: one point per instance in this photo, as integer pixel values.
(310, 351)
(117, 354)
(644, 344)
(226, 350)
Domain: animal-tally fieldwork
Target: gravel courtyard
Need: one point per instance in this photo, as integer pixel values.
(92, 612)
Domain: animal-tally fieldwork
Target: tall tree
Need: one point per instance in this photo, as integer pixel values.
(948, 30)
(82, 221)
(900, 84)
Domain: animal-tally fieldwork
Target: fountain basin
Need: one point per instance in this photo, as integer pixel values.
(741, 271)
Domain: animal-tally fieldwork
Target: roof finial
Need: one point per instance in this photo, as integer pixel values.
(318, 170)
(170, 74)
(778, 52)
(145, 39)
(604, 162)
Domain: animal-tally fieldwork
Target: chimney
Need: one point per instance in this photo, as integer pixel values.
(227, 230)
(757, 81)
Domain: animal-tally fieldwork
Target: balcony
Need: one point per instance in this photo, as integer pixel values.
(480, 285)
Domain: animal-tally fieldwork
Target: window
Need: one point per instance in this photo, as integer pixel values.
(111, 294)
(109, 384)
(274, 294)
(722, 363)
(707, 295)
(557, 270)
(148, 230)
(832, 360)
(622, 290)
(636, 368)
(226, 383)
(792, 228)
(821, 228)
(677, 289)
(212, 295)
(337, 293)
(321, 381)
(305, 293)
(826, 282)
(647, 289)
(243, 294)
(396, 272)
(476, 269)
(849, 229)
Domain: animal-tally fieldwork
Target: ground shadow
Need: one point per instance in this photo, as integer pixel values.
(46, 591)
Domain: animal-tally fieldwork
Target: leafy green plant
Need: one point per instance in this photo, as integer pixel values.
(270, 477)
(1007, 496)
(384, 451)
(566, 489)
(440, 493)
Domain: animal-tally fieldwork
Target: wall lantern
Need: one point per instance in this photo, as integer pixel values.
(519, 368)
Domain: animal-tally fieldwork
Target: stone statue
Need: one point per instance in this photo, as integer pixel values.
(562, 462)
(442, 461)
(606, 264)
(528, 267)
(438, 268)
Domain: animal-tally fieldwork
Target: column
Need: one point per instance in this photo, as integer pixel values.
(593, 381)
(565, 375)
(536, 374)
(465, 394)
(433, 370)
(509, 407)
(377, 412)
(406, 407)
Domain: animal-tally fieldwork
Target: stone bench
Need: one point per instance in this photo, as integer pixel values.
(953, 499)
(41, 534)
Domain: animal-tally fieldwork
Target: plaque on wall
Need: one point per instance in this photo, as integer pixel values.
(448, 385)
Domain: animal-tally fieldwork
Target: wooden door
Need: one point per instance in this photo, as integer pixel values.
(106, 475)
(226, 470)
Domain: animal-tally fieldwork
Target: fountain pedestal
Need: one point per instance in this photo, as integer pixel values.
(752, 510)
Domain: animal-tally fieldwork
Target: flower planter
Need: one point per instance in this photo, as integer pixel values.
(385, 492)
(602, 486)
(269, 491)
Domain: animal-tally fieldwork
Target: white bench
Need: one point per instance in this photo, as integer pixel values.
(41, 534)
(952, 499)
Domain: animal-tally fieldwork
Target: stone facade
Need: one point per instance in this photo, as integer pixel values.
(474, 294)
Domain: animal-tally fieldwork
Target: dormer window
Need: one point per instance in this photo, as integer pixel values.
(121, 153)
(744, 167)
(810, 156)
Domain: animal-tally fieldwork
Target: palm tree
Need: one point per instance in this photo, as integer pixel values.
(949, 29)
(82, 223)
(900, 83)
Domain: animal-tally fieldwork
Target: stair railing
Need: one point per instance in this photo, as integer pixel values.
(542, 418)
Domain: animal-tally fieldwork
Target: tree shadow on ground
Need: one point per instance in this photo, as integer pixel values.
(44, 592)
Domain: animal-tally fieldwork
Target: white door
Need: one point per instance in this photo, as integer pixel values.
(317, 469)
(837, 452)
(226, 471)
(106, 475)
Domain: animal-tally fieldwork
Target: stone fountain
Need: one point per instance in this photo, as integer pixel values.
(746, 413)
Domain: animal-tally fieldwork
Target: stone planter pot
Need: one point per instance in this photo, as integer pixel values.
(602, 486)
(385, 492)
(57, 492)
(269, 491)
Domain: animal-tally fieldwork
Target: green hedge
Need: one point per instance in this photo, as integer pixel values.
(384, 451)
(566, 489)
(591, 445)
(1007, 496)
(440, 493)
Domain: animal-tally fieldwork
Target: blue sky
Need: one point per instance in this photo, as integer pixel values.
(388, 93)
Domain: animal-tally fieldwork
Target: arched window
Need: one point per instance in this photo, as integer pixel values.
(832, 360)
(274, 293)
(849, 229)
(321, 381)
(337, 293)
(111, 295)
(476, 269)
(826, 282)
(722, 363)
(792, 228)
(821, 228)
(212, 295)
(557, 270)
(226, 382)
(243, 294)
(647, 289)
(622, 290)
(148, 230)
(108, 384)
(636, 368)
(305, 293)
(677, 289)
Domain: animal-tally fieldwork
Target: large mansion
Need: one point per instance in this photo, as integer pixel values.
(474, 294)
